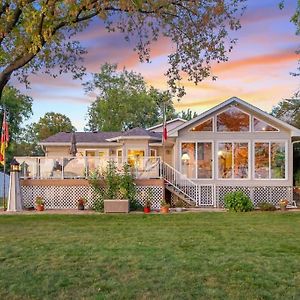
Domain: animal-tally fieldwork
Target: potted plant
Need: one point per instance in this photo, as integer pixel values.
(164, 207)
(40, 203)
(81, 202)
(283, 204)
(147, 206)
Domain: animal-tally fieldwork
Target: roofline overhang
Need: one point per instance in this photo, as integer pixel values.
(53, 144)
(168, 122)
(133, 138)
(294, 131)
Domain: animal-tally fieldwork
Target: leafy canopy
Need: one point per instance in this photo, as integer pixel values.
(124, 101)
(289, 111)
(36, 34)
(50, 124)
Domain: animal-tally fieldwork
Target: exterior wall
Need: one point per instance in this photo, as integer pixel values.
(185, 135)
(57, 151)
(169, 155)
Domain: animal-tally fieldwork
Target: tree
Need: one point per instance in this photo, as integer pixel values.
(187, 115)
(36, 34)
(289, 111)
(51, 124)
(18, 109)
(124, 101)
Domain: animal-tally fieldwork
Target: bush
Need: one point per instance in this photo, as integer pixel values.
(98, 204)
(265, 206)
(238, 201)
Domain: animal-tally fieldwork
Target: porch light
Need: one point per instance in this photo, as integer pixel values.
(220, 153)
(14, 166)
(185, 156)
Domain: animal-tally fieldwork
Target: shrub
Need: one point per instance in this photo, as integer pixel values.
(266, 206)
(98, 204)
(238, 201)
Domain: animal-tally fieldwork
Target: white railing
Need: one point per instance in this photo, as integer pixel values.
(202, 195)
(180, 182)
(81, 167)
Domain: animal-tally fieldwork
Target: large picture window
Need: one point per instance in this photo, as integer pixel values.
(196, 160)
(270, 160)
(233, 160)
(233, 119)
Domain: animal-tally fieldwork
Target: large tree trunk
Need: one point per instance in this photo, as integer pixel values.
(4, 78)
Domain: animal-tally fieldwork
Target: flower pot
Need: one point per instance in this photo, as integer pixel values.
(40, 207)
(80, 207)
(164, 210)
(147, 210)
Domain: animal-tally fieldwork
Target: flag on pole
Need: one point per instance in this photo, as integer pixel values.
(4, 139)
(165, 132)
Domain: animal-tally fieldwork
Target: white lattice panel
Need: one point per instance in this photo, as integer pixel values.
(155, 193)
(258, 194)
(62, 197)
(206, 193)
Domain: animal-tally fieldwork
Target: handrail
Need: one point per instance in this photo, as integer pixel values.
(177, 180)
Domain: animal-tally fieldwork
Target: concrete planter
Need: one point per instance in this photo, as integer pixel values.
(116, 206)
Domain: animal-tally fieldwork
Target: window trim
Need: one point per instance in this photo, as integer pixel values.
(196, 158)
(285, 163)
(203, 121)
(264, 131)
(222, 111)
(232, 166)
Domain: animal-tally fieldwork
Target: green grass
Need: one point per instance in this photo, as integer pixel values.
(135, 256)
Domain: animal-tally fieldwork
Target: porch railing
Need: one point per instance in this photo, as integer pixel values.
(81, 167)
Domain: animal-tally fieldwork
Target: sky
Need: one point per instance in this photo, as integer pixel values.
(258, 70)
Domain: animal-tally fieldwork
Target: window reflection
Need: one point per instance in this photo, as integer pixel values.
(259, 126)
(204, 163)
(233, 119)
(188, 159)
(204, 126)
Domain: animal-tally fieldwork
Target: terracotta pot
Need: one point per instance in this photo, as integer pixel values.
(40, 207)
(147, 210)
(164, 210)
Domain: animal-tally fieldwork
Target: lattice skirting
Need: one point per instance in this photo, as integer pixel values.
(258, 194)
(63, 197)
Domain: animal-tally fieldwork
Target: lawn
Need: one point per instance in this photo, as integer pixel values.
(136, 256)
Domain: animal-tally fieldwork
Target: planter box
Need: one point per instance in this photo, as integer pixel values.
(116, 206)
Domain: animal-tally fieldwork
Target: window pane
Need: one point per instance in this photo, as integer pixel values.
(262, 126)
(225, 160)
(204, 152)
(241, 160)
(204, 126)
(233, 119)
(188, 159)
(261, 168)
(277, 160)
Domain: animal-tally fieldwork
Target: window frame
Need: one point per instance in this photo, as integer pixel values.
(212, 118)
(285, 162)
(226, 132)
(264, 131)
(233, 161)
(196, 158)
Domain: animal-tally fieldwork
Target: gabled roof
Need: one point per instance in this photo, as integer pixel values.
(96, 137)
(137, 132)
(167, 123)
(294, 131)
